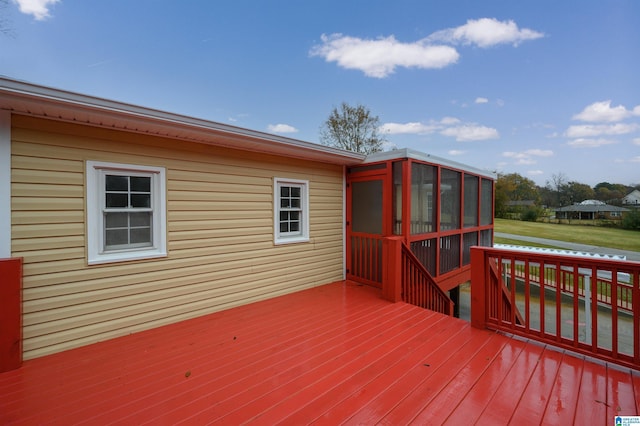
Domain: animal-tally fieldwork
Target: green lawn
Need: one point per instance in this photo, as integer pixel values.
(592, 235)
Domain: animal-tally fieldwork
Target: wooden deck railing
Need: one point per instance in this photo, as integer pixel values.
(406, 279)
(602, 290)
(366, 259)
(587, 305)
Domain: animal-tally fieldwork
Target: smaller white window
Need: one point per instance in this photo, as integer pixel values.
(290, 210)
(126, 212)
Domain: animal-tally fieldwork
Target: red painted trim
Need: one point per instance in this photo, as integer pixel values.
(392, 269)
(478, 288)
(406, 199)
(10, 314)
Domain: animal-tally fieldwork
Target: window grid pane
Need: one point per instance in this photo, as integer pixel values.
(127, 214)
(290, 222)
(127, 230)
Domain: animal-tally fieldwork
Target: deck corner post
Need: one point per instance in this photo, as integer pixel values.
(10, 314)
(392, 269)
(478, 288)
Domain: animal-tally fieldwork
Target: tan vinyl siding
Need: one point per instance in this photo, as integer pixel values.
(219, 234)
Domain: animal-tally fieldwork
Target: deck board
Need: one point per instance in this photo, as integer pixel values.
(336, 354)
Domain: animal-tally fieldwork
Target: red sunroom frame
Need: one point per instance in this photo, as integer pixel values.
(406, 157)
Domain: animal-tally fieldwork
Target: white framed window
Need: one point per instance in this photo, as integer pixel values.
(290, 210)
(126, 212)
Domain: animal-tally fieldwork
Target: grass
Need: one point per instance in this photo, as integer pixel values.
(603, 237)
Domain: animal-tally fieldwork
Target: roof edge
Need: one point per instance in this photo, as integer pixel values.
(422, 156)
(55, 97)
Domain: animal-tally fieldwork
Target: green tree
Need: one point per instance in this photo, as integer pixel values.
(631, 220)
(579, 192)
(611, 192)
(352, 129)
(513, 187)
(558, 187)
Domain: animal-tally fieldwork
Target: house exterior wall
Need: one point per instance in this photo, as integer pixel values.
(220, 241)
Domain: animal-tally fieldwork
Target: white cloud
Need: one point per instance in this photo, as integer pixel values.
(413, 128)
(418, 128)
(539, 152)
(482, 100)
(526, 157)
(281, 128)
(589, 143)
(448, 126)
(636, 141)
(593, 130)
(456, 152)
(603, 112)
(448, 121)
(380, 57)
(38, 8)
(535, 172)
(635, 159)
(500, 102)
(486, 32)
(471, 132)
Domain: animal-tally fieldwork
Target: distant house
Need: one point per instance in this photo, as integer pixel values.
(591, 210)
(632, 198)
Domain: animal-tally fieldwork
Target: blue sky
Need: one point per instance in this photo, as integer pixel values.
(532, 87)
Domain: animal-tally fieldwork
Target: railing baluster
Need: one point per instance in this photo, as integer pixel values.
(543, 283)
(635, 289)
(512, 296)
(576, 306)
(559, 286)
(614, 312)
(594, 309)
(527, 295)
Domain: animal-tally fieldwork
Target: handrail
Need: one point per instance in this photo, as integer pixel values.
(504, 309)
(418, 286)
(562, 301)
(405, 279)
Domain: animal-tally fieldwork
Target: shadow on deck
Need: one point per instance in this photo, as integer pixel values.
(331, 354)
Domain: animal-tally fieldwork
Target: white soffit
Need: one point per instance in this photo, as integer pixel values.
(40, 101)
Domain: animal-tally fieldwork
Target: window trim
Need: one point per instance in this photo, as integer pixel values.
(95, 190)
(303, 236)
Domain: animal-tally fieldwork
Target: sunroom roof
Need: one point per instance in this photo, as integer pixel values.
(397, 154)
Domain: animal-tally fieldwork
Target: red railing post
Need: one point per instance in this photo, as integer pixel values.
(392, 269)
(10, 314)
(478, 288)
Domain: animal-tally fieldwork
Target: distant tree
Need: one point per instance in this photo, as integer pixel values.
(513, 187)
(353, 129)
(530, 214)
(547, 196)
(631, 220)
(579, 192)
(611, 192)
(558, 186)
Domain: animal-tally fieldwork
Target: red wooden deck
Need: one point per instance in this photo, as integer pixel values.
(332, 354)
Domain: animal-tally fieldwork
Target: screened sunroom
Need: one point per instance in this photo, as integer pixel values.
(440, 209)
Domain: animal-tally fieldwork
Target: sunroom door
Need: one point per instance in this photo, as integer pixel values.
(366, 225)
